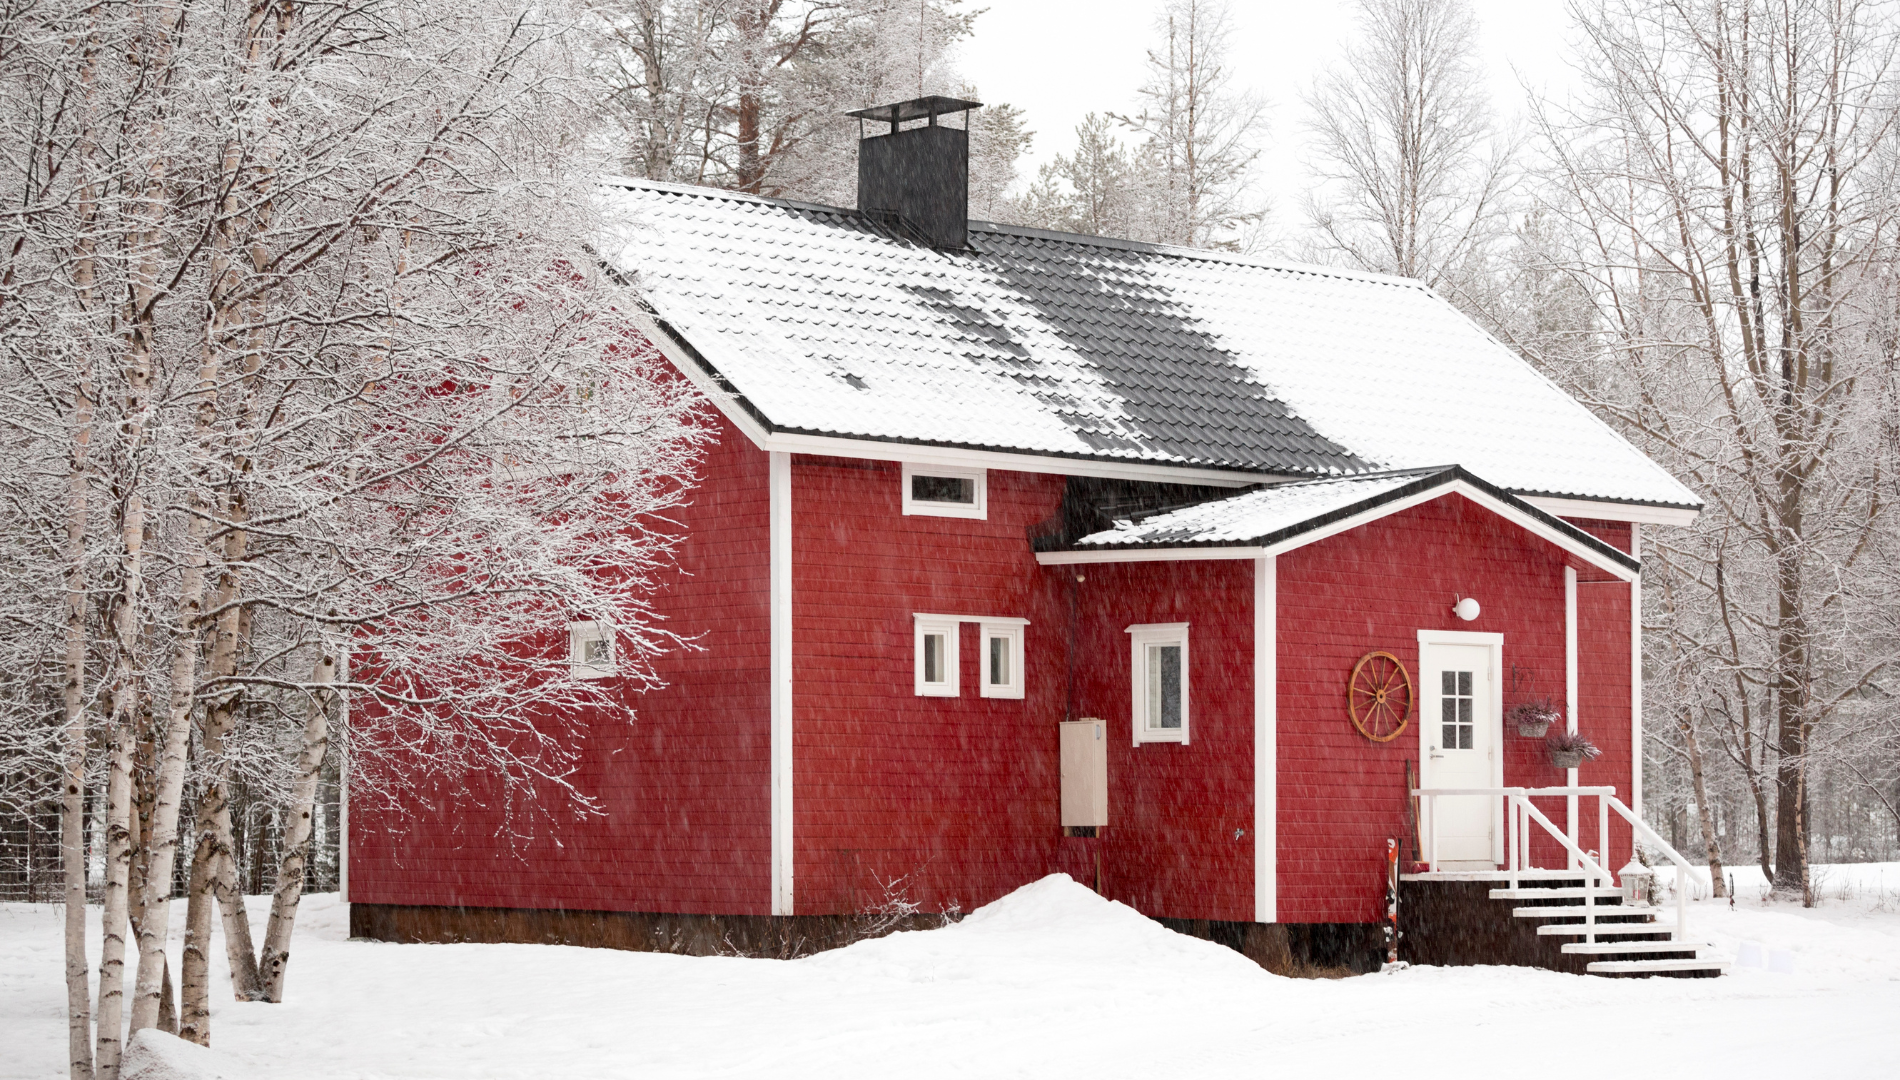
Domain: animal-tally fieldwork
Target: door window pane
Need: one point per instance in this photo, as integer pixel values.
(1455, 710)
(1164, 686)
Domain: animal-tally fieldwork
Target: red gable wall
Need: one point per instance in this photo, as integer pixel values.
(1342, 795)
(687, 824)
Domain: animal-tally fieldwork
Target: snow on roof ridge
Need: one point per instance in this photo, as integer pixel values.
(1031, 232)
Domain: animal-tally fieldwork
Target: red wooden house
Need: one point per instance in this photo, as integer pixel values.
(974, 481)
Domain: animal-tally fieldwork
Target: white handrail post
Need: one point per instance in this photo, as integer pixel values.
(1431, 807)
(1570, 826)
(1603, 832)
(1510, 811)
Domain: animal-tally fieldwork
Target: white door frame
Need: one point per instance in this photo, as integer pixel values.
(1494, 642)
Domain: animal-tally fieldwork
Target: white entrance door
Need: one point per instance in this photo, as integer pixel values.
(1459, 729)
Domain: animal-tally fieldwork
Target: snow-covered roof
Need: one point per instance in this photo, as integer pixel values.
(1279, 517)
(819, 321)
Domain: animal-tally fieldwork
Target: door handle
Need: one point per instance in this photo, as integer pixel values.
(1435, 753)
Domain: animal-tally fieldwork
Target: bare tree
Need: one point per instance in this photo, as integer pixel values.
(1201, 133)
(751, 94)
(313, 348)
(1725, 198)
(1411, 171)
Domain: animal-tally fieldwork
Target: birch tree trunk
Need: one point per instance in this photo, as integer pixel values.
(1685, 723)
(290, 874)
(72, 838)
(111, 1014)
(169, 781)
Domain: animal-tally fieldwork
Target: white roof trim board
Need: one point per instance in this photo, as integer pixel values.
(1277, 519)
(814, 322)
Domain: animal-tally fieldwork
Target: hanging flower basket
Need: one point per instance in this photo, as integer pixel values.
(1569, 750)
(1533, 718)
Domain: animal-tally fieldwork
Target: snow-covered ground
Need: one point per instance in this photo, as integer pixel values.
(1048, 982)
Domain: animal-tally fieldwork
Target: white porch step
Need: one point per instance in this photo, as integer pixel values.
(1605, 930)
(1599, 948)
(1571, 911)
(1644, 967)
(1601, 892)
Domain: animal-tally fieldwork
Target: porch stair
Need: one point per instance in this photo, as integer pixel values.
(1554, 921)
(1617, 939)
(1451, 916)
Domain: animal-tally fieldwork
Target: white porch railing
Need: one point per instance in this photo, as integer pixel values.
(1520, 813)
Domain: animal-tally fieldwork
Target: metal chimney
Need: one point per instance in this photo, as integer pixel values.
(917, 179)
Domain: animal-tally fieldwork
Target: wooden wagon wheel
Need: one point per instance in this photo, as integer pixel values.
(1379, 695)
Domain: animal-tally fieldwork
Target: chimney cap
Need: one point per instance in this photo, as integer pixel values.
(916, 109)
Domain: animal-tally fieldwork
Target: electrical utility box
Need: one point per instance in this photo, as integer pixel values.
(1084, 773)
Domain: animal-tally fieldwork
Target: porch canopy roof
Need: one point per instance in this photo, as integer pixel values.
(1280, 517)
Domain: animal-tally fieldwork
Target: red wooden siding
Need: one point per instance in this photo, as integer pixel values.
(1180, 837)
(687, 823)
(938, 801)
(1341, 795)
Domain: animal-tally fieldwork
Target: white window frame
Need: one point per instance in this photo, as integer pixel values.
(979, 510)
(1140, 636)
(951, 628)
(1010, 630)
(579, 635)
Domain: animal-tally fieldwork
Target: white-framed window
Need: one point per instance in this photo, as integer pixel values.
(1002, 643)
(590, 650)
(936, 655)
(946, 491)
(1159, 664)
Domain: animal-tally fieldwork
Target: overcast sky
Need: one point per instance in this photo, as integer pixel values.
(1060, 59)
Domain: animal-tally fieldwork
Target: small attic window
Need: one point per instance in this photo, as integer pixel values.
(946, 491)
(591, 650)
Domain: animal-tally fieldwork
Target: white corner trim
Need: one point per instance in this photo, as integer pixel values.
(343, 789)
(1636, 676)
(1266, 741)
(780, 518)
(978, 508)
(1570, 695)
(1679, 516)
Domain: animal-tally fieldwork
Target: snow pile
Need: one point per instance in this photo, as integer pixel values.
(154, 1055)
(1054, 923)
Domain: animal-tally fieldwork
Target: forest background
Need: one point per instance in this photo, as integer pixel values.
(302, 340)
